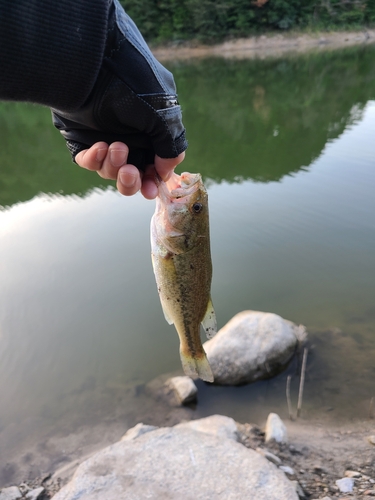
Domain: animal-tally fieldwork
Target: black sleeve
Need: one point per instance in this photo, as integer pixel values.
(51, 50)
(87, 61)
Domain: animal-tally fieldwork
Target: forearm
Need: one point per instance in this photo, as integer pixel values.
(51, 51)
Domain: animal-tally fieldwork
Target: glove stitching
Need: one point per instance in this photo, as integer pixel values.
(163, 120)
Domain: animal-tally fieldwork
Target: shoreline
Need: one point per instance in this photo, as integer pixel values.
(271, 45)
(321, 447)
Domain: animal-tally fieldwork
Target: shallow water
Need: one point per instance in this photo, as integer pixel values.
(286, 147)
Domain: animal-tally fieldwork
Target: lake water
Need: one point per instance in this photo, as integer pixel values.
(287, 149)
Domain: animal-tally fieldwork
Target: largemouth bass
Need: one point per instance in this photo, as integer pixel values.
(181, 258)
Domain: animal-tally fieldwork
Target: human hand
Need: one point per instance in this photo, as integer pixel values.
(110, 162)
(133, 101)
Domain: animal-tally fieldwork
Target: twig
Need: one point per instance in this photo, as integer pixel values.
(302, 382)
(288, 400)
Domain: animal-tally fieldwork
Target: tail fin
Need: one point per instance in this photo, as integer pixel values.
(195, 367)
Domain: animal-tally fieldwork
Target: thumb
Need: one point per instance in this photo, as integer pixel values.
(165, 166)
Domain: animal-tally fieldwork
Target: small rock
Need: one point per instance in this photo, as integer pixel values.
(288, 470)
(345, 485)
(318, 469)
(11, 493)
(295, 450)
(269, 456)
(371, 440)
(275, 429)
(217, 425)
(352, 473)
(299, 490)
(184, 388)
(136, 431)
(24, 488)
(34, 494)
(370, 493)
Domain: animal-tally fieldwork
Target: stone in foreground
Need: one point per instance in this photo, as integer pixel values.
(253, 345)
(217, 425)
(177, 463)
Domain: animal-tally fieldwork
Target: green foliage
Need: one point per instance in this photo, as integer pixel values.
(264, 119)
(34, 158)
(213, 20)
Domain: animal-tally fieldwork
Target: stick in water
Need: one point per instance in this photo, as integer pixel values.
(302, 382)
(288, 400)
(371, 410)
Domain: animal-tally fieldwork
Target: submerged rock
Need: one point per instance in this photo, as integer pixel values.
(253, 345)
(177, 463)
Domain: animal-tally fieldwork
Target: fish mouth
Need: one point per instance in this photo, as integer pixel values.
(178, 187)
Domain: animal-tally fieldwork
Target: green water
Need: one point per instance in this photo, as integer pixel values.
(287, 150)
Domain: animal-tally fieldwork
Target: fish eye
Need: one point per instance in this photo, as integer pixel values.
(197, 207)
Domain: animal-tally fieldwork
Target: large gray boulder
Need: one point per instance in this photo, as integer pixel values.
(253, 345)
(178, 463)
(217, 425)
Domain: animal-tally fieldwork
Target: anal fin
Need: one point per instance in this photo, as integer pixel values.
(209, 321)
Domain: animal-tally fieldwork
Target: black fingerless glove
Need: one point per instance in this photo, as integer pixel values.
(134, 100)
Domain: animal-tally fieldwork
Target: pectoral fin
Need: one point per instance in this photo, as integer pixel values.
(167, 316)
(209, 321)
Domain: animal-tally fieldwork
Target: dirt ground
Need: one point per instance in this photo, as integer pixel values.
(318, 453)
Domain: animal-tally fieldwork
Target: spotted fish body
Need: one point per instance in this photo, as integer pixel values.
(180, 247)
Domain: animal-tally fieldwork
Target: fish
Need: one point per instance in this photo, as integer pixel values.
(181, 259)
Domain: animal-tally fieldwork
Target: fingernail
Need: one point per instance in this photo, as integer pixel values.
(101, 154)
(118, 157)
(128, 180)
